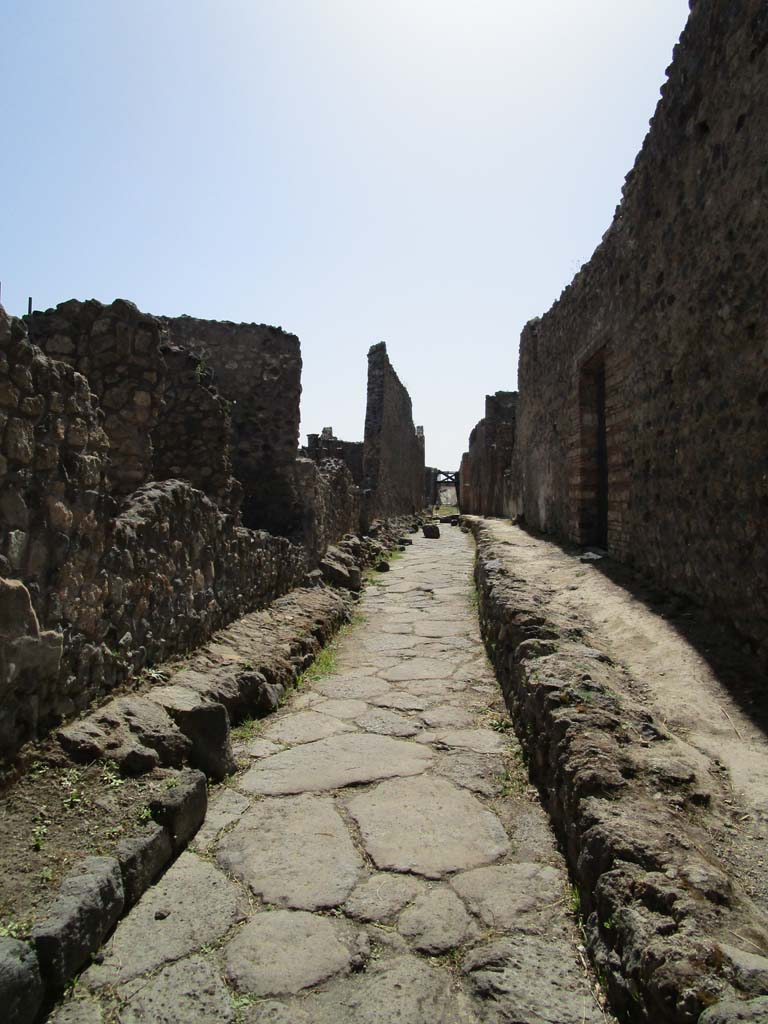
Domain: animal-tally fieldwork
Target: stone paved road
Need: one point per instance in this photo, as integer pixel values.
(380, 858)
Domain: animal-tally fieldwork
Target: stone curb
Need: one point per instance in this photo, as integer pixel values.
(100, 890)
(629, 811)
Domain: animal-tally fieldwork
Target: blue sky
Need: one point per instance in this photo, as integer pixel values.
(425, 172)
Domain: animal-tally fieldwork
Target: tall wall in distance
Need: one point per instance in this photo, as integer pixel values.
(491, 445)
(257, 368)
(642, 423)
(393, 452)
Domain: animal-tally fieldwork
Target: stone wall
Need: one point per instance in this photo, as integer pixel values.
(117, 348)
(95, 588)
(491, 444)
(393, 454)
(258, 369)
(642, 422)
(326, 446)
(193, 437)
(330, 501)
(53, 495)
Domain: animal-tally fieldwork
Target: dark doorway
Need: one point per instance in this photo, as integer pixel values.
(593, 490)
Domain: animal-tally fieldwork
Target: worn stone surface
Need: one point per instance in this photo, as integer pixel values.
(305, 727)
(285, 951)
(387, 723)
(381, 896)
(522, 978)
(89, 903)
(328, 764)
(295, 852)
(192, 905)
(435, 922)
(142, 857)
(754, 1011)
(186, 992)
(403, 990)
(226, 808)
(321, 909)
(503, 895)
(428, 826)
(21, 987)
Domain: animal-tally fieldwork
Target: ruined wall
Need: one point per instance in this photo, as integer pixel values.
(258, 369)
(326, 446)
(431, 490)
(97, 589)
(491, 445)
(331, 504)
(642, 420)
(117, 348)
(393, 454)
(176, 570)
(193, 437)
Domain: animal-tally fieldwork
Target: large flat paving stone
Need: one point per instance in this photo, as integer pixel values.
(528, 980)
(382, 896)
(482, 773)
(388, 723)
(444, 627)
(335, 762)
(224, 808)
(305, 727)
(350, 687)
(502, 895)
(344, 709)
(448, 716)
(418, 668)
(427, 826)
(294, 852)
(285, 951)
(481, 741)
(402, 701)
(402, 990)
(436, 921)
(193, 905)
(186, 992)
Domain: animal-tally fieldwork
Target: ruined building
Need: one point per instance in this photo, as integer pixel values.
(150, 493)
(490, 450)
(641, 422)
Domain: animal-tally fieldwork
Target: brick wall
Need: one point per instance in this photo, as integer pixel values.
(491, 444)
(643, 413)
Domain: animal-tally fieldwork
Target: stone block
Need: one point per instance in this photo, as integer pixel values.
(181, 809)
(142, 858)
(89, 904)
(21, 987)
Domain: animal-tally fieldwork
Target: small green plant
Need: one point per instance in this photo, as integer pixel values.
(201, 371)
(170, 783)
(574, 901)
(39, 832)
(501, 724)
(46, 875)
(14, 929)
(248, 729)
(111, 778)
(241, 1002)
(144, 814)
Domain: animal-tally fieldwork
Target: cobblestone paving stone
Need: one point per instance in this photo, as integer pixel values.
(380, 856)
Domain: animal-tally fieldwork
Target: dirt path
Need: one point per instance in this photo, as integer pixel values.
(711, 721)
(379, 858)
